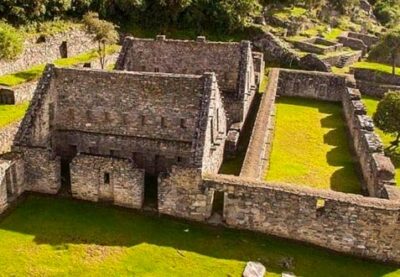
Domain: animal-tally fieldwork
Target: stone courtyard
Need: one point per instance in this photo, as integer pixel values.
(164, 120)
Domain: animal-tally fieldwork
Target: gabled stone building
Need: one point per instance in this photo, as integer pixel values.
(106, 133)
(237, 68)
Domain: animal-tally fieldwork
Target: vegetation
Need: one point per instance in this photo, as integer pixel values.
(377, 66)
(387, 116)
(44, 236)
(387, 11)
(12, 113)
(372, 103)
(35, 72)
(310, 146)
(388, 48)
(104, 33)
(11, 42)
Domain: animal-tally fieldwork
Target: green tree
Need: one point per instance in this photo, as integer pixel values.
(388, 45)
(11, 42)
(104, 33)
(387, 116)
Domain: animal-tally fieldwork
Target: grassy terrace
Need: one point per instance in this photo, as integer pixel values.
(377, 66)
(310, 146)
(12, 113)
(35, 72)
(58, 237)
(371, 103)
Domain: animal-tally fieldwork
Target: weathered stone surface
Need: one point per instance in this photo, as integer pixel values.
(312, 62)
(254, 269)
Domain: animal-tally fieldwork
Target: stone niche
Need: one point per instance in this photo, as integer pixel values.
(96, 178)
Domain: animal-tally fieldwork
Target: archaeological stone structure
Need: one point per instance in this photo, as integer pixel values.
(237, 68)
(153, 134)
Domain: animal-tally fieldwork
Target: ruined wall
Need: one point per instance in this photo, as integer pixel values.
(180, 194)
(323, 86)
(36, 51)
(353, 43)
(376, 76)
(97, 178)
(261, 138)
(318, 46)
(7, 134)
(369, 40)
(377, 169)
(353, 224)
(42, 170)
(185, 57)
(374, 89)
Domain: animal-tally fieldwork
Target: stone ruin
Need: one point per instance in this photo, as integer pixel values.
(153, 134)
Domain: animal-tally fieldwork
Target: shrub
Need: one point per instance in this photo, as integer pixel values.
(387, 116)
(11, 42)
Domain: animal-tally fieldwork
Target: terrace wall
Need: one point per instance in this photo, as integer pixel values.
(11, 179)
(369, 40)
(377, 169)
(353, 43)
(375, 76)
(316, 85)
(7, 134)
(97, 178)
(43, 49)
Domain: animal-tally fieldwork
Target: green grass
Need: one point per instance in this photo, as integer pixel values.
(12, 113)
(333, 34)
(286, 13)
(35, 72)
(377, 66)
(311, 147)
(60, 237)
(371, 103)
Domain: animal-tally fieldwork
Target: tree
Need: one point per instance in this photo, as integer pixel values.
(104, 33)
(387, 116)
(11, 42)
(389, 44)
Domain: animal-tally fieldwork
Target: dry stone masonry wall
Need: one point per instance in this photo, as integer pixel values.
(43, 49)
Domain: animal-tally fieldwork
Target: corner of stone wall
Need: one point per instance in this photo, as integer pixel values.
(181, 194)
(377, 169)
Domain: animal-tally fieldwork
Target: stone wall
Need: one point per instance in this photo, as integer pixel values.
(275, 50)
(377, 169)
(180, 194)
(185, 57)
(43, 49)
(261, 137)
(375, 76)
(318, 46)
(42, 170)
(323, 86)
(97, 178)
(374, 89)
(7, 134)
(367, 227)
(353, 43)
(369, 40)
(11, 179)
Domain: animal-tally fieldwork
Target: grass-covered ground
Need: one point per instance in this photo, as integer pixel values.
(371, 103)
(35, 72)
(12, 113)
(377, 66)
(60, 237)
(311, 147)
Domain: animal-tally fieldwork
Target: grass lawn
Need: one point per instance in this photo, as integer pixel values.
(12, 113)
(35, 72)
(377, 66)
(58, 237)
(371, 103)
(311, 147)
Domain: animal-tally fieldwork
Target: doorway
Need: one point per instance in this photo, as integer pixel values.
(65, 189)
(150, 192)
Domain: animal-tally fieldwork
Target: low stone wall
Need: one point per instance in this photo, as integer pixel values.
(353, 43)
(343, 60)
(318, 46)
(374, 89)
(366, 227)
(261, 137)
(45, 49)
(376, 76)
(377, 169)
(316, 85)
(11, 179)
(97, 178)
(7, 134)
(369, 40)
(275, 50)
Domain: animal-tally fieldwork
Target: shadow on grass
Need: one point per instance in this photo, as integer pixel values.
(60, 222)
(344, 179)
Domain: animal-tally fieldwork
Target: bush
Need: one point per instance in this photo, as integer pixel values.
(11, 42)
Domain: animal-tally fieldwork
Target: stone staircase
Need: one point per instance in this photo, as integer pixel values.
(343, 61)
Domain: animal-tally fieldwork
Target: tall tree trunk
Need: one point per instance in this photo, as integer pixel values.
(394, 62)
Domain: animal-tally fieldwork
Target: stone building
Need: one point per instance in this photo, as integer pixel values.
(109, 134)
(238, 69)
